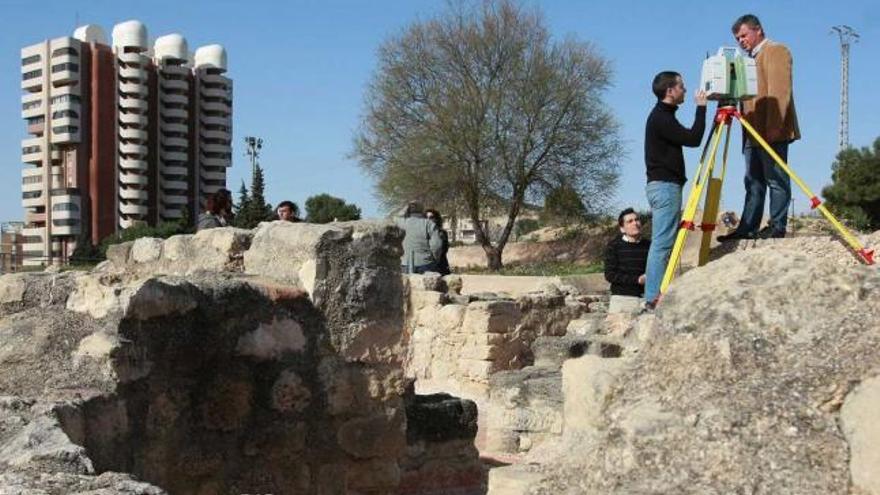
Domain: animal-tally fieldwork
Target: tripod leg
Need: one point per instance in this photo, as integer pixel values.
(710, 207)
(866, 254)
(687, 220)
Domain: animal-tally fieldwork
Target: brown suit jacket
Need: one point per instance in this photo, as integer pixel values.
(772, 112)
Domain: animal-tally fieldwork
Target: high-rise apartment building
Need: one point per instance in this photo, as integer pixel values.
(121, 133)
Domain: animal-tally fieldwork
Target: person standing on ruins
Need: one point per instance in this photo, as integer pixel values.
(422, 245)
(771, 112)
(664, 162)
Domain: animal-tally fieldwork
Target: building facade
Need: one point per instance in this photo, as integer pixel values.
(11, 247)
(121, 133)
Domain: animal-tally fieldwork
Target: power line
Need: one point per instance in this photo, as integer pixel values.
(847, 36)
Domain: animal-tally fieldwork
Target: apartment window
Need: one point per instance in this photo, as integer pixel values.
(67, 50)
(64, 113)
(31, 194)
(35, 120)
(31, 239)
(33, 179)
(65, 222)
(30, 60)
(32, 74)
(65, 129)
(31, 105)
(65, 98)
(65, 66)
(65, 207)
(27, 150)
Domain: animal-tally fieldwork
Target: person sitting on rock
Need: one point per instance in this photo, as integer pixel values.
(286, 211)
(422, 245)
(625, 259)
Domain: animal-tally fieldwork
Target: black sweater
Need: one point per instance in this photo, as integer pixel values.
(624, 263)
(664, 137)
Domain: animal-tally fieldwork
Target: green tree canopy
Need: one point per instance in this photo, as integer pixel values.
(855, 191)
(563, 206)
(479, 108)
(252, 208)
(324, 208)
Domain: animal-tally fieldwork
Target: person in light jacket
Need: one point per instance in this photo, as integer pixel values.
(422, 244)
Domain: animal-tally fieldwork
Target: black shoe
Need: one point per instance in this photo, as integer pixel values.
(736, 236)
(770, 233)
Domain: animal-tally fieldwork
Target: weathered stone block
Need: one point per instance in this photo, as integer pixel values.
(862, 430)
(588, 384)
(377, 436)
(289, 393)
(146, 249)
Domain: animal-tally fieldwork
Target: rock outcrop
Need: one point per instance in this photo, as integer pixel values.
(756, 375)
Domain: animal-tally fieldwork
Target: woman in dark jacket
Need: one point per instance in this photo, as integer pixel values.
(442, 262)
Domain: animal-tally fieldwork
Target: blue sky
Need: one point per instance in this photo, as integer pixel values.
(300, 68)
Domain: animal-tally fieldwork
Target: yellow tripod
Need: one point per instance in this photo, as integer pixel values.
(704, 180)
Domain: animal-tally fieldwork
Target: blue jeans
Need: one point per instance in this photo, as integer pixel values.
(762, 173)
(665, 201)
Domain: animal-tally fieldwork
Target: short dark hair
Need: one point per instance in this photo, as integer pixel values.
(290, 204)
(623, 214)
(435, 216)
(663, 81)
(750, 19)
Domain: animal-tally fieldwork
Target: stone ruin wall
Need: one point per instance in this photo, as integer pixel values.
(472, 345)
(227, 361)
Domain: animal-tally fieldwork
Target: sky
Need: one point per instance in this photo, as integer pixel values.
(301, 67)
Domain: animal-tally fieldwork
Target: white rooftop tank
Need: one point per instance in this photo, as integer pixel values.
(211, 56)
(130, 33)
(90, 33)
(171, 46)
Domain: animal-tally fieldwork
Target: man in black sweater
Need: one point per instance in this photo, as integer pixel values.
(664, 160)
(625, 259)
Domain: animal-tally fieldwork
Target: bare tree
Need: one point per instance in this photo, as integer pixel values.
(478, 107)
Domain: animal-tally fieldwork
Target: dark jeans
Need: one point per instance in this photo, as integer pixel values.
(763, 173)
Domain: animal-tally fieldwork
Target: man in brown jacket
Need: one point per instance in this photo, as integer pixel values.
(773, 116)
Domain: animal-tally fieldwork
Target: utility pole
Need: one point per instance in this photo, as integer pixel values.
(254, 145)
(847, 36)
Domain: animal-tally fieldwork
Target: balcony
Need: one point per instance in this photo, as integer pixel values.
(133, 73)
(32, 83)
(66, 134)
(214, 134)
(175, 142)
(132, 209)
(132, 133)
(32, 199)
(174, 156)
(208, 106)
(215, 148)
(135, 165)
(216, 93)
(216, 120)
(129, 195)
(174, 127)
(65, 230)
(215, 162)
(64, 73)
(133, 88)
(134, 104)
(175, 99)
(133, 119)
(133, 179)
(211, 175)
(175, 113)
(175, 84)
(132, 57)
(214, 79)
(133, 149)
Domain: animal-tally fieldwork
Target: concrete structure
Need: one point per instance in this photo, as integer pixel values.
(115, 134)
(11, 246)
